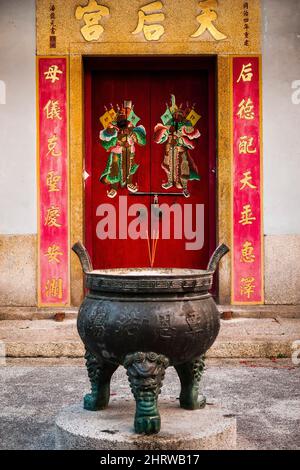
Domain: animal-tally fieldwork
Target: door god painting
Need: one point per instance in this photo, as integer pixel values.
(178, 132)
(119, 137)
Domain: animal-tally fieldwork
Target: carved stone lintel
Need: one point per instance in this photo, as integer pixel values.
(190, 375)
(146, 372)
(100, 373)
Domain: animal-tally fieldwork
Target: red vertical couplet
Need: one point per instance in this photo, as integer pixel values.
(53, 210)
(247, 251)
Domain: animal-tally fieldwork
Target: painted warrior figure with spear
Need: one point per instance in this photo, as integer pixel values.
(119, 136)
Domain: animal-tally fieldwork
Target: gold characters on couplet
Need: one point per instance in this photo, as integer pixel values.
(53, 73)
(53, 253)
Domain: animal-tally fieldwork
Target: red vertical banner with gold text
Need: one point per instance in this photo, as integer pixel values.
(53, 207)
(247, 246)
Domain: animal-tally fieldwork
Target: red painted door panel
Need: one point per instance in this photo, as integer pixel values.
(106, 88)
(192, 87)
(149, 84)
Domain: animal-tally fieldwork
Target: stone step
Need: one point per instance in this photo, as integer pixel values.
(36, 313)
(260, 311)
(238, 338)
(235, 311)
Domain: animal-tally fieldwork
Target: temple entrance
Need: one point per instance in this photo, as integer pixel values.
(152, 170)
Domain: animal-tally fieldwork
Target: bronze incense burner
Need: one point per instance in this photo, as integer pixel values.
(147, 320)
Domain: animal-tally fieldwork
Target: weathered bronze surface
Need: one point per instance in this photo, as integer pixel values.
(147, 320)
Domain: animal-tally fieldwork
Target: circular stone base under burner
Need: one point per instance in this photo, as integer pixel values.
(111, 429)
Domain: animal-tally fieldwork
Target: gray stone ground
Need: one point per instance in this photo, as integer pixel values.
(263, 395)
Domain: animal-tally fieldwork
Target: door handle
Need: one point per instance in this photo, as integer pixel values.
(155, 206)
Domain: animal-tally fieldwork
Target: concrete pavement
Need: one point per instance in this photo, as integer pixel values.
(264, 395)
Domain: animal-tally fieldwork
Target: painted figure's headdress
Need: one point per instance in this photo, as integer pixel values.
(122, 117)
(175, 114)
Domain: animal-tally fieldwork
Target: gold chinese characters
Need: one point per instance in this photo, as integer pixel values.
(53, 73)
(52, 214)
(54, 288)
(52, 110)
(247, 253)
(247, 217)
(149, 20)
(247, 151)
(207, 18)
(246, 181)
(246, 108)
(52, 143)
(91, 15)
(247, 286)
(149, 17)
(53, 253)
(246, 73)
(246, 145)
(52, 181)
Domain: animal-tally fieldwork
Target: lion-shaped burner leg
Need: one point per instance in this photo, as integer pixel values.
(146, 372)
(100, 373)
(190, 375)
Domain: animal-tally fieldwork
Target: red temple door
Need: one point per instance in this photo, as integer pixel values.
(149, 83)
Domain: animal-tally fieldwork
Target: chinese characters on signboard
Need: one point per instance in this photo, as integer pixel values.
(246, 20)
(53, 182)
(207, 26)
(206, 20)
(52, 17)
(91, 15)
(247, 227)
(150, 19)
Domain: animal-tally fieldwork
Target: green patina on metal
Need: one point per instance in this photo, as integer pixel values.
(146, 372)
(190, 375)
(100, 374)
(146, 323)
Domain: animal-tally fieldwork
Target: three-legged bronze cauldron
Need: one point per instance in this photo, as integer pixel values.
(147, 320)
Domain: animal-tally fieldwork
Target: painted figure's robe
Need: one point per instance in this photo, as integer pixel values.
(178, 163)
(120, 143)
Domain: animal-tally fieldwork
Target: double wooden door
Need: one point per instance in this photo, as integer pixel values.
(149, 84)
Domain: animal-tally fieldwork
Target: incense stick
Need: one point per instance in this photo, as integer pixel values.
(149, 250)
(154, 247)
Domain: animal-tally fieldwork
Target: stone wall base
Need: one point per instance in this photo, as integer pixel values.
(18, 281)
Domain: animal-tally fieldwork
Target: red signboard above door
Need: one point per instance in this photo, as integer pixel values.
(149, 84)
